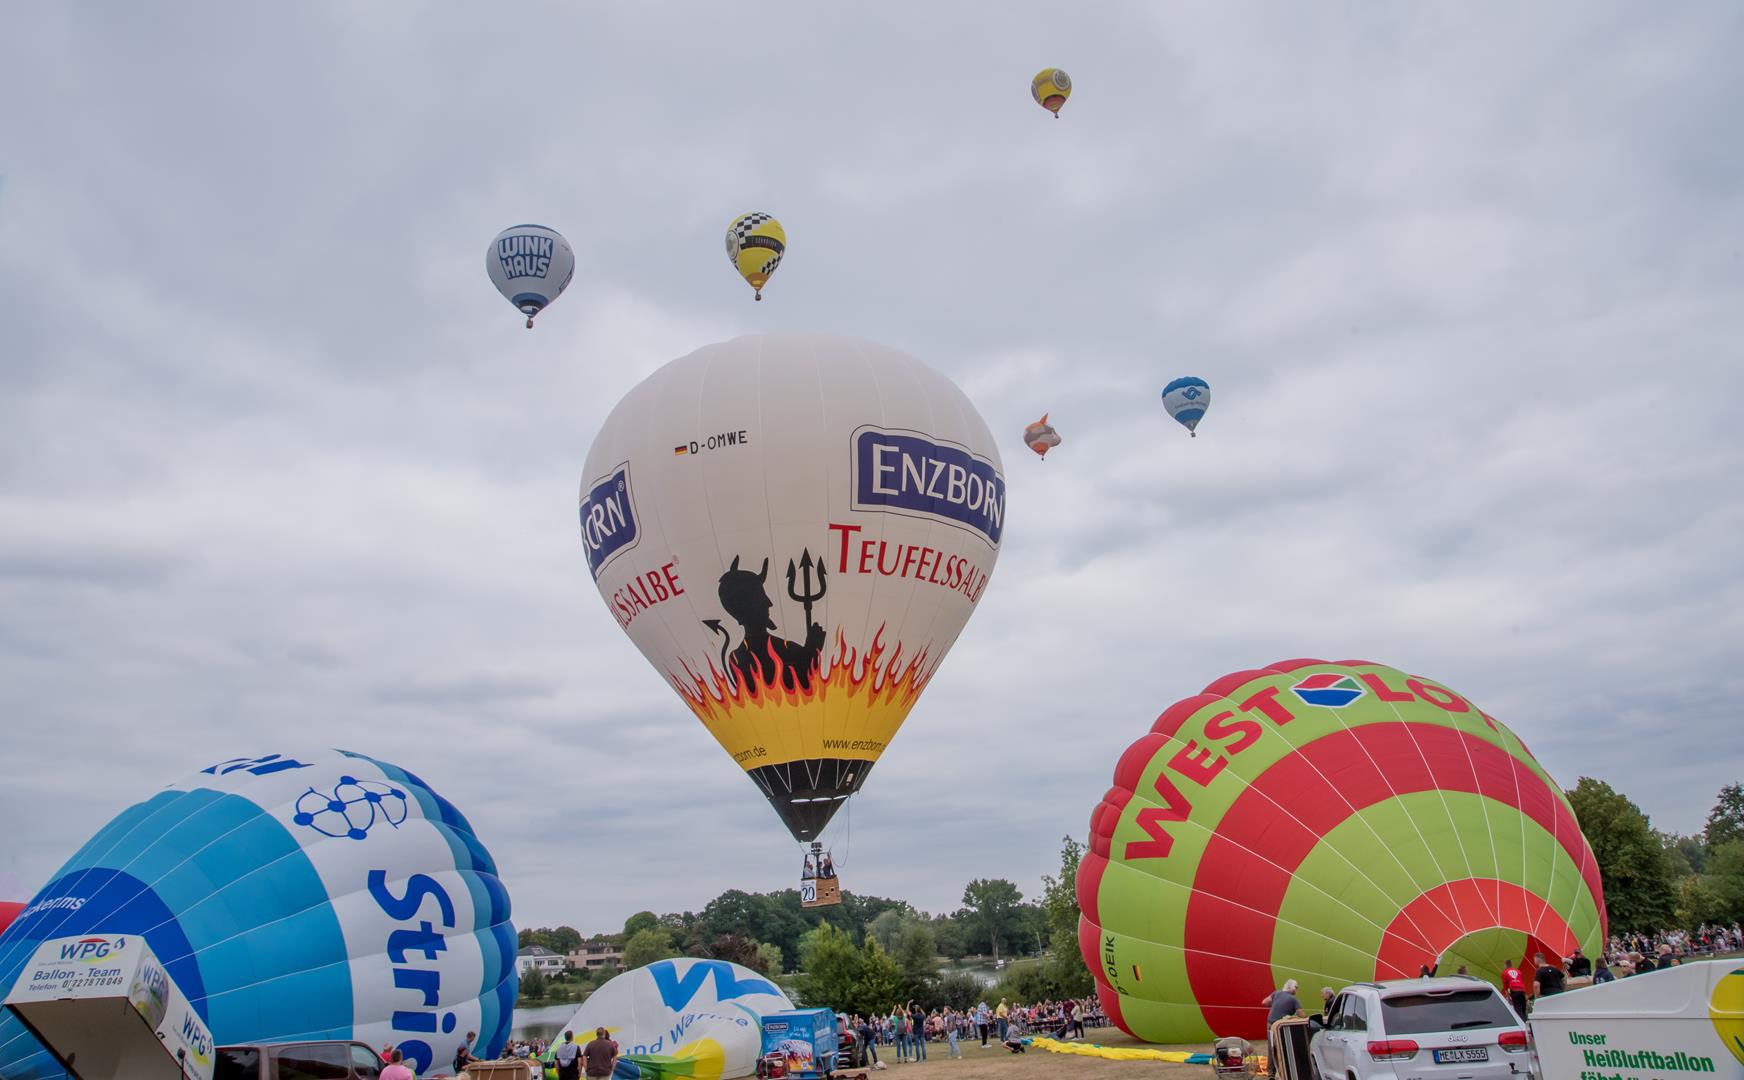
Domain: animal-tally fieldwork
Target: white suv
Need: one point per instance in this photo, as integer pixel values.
(1458, 1028)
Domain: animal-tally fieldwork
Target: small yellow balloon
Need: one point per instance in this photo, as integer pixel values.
(1050, 88)
(755, 243)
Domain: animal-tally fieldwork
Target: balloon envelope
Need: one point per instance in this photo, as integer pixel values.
(531, 266)
(1050, 88)
(701, 1014)
(794, 529)
(1328, 822)
(1186, 399)
(1041, 436)
(324, 895)
(755, 244)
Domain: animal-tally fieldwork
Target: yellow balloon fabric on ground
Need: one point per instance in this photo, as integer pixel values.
(1050, 88)
(1726, 1010)
(755, 245)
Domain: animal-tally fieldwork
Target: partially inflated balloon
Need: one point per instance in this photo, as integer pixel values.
(794, 529)
(755, 244)
(1050, 88)
(1041, 437)
(531, 266)
(683, 1018)
(308, 896)
(1186, 399)
(9, 910)
(1328, 822)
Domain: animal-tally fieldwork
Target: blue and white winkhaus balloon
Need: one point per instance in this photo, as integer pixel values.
(320, 895)
(531, 266)
(1187, 399)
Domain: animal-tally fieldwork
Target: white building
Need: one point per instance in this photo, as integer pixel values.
(537, 958)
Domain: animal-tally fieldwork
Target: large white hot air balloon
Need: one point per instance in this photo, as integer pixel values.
(794, 529)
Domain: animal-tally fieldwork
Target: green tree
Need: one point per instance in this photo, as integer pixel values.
(830, 968)
(735, 949)
(917, 959)
(647, 946)
(958, 989)
(641, 920)
(1724, 883)
(1690, 855)
(951, 932)
(881, 983)
(769, 959)
(565, 940)
(1060, 894)
(1726, 820)
(1064, 967)
(994, 904)
(887, 927)
(534, 985)
(1633, 864)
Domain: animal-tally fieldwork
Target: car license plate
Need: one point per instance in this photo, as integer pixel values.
(1463, 1053)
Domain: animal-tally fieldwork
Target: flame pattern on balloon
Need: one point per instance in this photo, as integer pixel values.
(793, 529)
(1328, 822)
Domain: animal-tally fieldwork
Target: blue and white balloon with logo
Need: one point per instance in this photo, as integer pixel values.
(531, 266)
(322, 895)
(685, 1017)
(1187, 399)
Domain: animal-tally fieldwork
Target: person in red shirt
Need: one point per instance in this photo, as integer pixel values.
(1515, 984)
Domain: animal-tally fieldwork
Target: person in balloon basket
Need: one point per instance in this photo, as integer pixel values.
(568, 1057)
(600, 1055)
(1515, 984)
(1281, 1003)
(463, 1056)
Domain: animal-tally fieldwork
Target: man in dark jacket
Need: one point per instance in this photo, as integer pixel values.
(1579, 967)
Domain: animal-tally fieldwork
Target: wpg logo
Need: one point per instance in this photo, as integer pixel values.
(92, 949)
(677, 992)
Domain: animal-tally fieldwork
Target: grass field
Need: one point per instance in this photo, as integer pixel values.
(997, 1063)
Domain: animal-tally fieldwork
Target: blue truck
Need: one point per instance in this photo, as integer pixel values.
(799, 1044)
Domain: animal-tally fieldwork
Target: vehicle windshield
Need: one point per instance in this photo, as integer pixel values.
(1455, 1010)
(236, 1063)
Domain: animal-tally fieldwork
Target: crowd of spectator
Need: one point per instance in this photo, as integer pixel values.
(907, 1029)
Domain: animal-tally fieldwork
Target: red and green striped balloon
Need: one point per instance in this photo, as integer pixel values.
(1328, 822)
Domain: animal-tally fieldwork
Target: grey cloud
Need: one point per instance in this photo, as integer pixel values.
(274, 457)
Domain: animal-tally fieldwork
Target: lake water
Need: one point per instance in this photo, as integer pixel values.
(545, 1022)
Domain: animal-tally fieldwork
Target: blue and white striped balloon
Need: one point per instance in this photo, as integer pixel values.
(324, 895)
(1187, 399)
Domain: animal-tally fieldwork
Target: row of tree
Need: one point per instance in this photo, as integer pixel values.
(1659, 880)
(870, 951)
(888, 948)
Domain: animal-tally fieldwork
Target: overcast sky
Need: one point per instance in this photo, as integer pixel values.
(279, 468)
